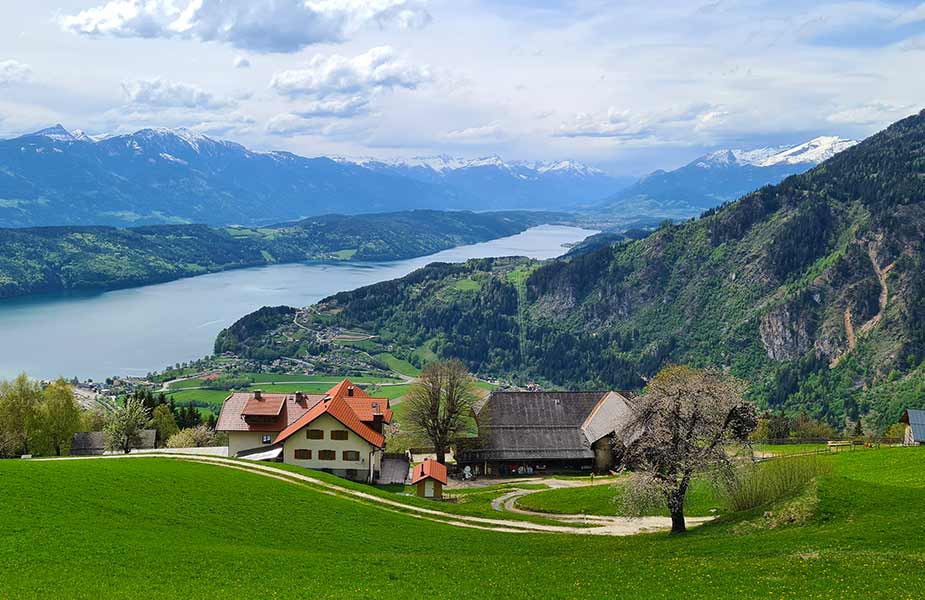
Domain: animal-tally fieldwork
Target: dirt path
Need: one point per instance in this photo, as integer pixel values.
(613, 526)
(869, 325)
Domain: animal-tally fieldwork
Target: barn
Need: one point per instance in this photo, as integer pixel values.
(915, 427)
(527, 432)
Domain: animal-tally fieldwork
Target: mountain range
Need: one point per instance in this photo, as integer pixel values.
(719, 177)
(155, 176)
(813, 290)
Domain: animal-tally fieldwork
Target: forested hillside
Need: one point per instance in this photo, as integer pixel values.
(50, 259)
(813, 290)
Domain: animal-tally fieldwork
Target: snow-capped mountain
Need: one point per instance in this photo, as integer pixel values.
(721, 176)
(812, 152)
(60, 177)
(492, 182)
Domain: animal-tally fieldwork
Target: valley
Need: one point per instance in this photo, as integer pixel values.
(99, 334)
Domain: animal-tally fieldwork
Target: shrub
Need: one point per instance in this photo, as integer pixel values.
(193, 437)
(761, 483)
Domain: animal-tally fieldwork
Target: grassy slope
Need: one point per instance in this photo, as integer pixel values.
(103, 529)
(601, 499)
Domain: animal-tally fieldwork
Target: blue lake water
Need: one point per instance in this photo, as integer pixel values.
(144, 329)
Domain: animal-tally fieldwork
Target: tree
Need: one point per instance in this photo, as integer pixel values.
(124, 426)
(19, 400)
(439, 402)
(682, 425)
(58, 416)
(163, 422)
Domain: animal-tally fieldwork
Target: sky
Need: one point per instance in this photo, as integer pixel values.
(625, 86)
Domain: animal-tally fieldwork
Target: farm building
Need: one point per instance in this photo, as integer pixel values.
(339, 432)
(88, 443)
(429, 478)
(523, 432)
(915, 427)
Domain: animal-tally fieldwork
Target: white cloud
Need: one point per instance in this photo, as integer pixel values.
(259, 25)
(242, 62)
(293, 125)
(13, 71)
(337, 108)
(161, 93)
(871, 113)
(325, 75)
(491, 132)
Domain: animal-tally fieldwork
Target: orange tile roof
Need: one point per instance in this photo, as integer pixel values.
(429, 469)
(365, 409)
(265, 406)
(340, 410)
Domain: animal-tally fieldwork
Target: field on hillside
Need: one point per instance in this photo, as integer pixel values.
(154, 527)
(280, 384)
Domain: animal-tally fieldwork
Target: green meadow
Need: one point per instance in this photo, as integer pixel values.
(160, 528)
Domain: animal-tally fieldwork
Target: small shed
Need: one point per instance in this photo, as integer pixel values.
(429, 479)
(915, 427)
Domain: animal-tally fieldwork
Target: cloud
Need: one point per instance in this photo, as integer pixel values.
(615, 124)
(292, 125)
(242, 62)
(339, 108)
(871, 113)
(13, 71)
(258, 25)
(161, 93)
(624, 124)
(326, 75)
(491, 132)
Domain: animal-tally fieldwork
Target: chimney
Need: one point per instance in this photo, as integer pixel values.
(258, 394)
(377, 418)
(299, 397)
(350, 391)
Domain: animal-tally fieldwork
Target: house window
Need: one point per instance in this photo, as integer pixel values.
(327, 455)
(314, 434)
(339, 434)
(303, 454)
(351, 455)
(266, 439)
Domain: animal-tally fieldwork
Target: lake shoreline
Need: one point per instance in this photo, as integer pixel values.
(133, 331)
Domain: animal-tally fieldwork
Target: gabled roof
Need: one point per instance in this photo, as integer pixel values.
(429, 469)
(340, 410)
(362, 403)
(264, 406)
(231, 418)
(916, 420)
(544, 425)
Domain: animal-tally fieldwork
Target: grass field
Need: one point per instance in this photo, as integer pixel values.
(157, 528)
(398, 365)
(602, 499)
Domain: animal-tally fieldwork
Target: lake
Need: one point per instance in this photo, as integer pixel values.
(140, 330)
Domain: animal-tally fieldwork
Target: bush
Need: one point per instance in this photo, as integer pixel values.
(193, 437)
(761, 483)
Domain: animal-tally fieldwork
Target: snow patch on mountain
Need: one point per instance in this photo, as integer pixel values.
(812, 152)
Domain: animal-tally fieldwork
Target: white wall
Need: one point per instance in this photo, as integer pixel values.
(327, 423)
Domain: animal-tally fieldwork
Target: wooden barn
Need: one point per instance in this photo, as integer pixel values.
(915, 427)
(525, 432)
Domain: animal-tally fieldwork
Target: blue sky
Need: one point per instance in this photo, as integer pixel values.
(628, 86)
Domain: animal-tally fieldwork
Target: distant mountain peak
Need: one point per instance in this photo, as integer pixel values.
(56, 132)
(812, 152)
